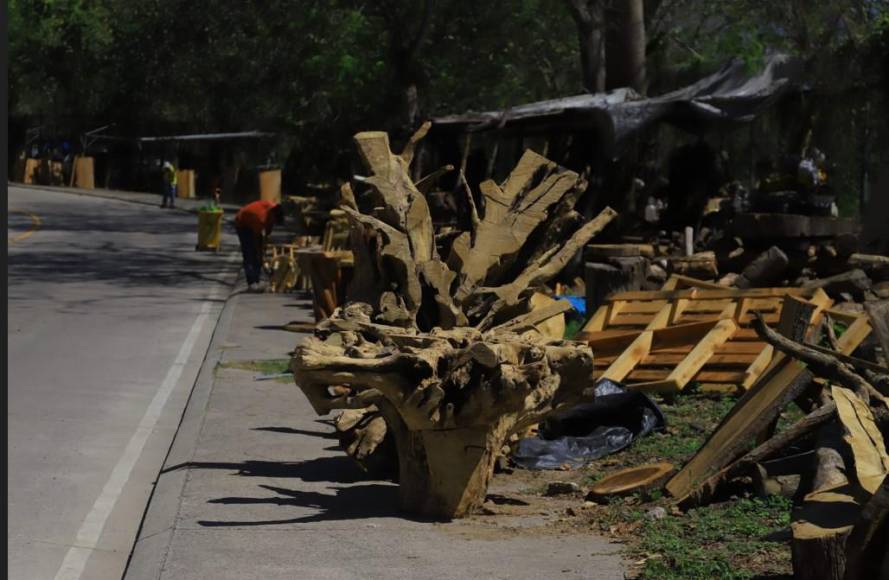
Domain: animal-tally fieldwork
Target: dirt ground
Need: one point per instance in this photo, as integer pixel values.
(740, 537)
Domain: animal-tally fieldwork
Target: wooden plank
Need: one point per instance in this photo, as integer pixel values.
(770, 318)
(712, 294)
(678, 281)
(863, 437)
(615, 307)
(758, 366)
(543, 309)
(708, 305)
(686, 318)
(643, 306)
(702, 352)
(764, 304)
(670, 359)
(671, 283)
(630, 320)
(647, 375)
(681, 337)
(756, 409)
(643, 374)
(677, 308)
(598, 320)
(682, 334)
(745, 334)
(609, 338)
(671, 350)
(730, 377)
(629, 358)
(662, 318)
(656, 386)
(842, 315)
(733, 346)
(667, 358)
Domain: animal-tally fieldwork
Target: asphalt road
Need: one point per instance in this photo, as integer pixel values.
(110, 314)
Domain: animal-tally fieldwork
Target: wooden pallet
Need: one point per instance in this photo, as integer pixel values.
(689, 331)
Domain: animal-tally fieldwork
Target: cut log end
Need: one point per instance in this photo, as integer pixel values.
(645, 478)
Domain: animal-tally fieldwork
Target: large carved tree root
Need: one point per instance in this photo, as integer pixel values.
(449, 351)
(450, 397)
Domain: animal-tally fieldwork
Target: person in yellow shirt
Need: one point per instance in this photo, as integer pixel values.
(170, 182)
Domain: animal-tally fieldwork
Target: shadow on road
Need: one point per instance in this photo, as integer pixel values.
(339, 469)
(292, 431)
(118, 244)
(377, 499)
(349, 503)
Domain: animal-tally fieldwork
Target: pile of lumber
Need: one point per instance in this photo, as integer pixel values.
(442, 337)
(689, 331)
(836, 452)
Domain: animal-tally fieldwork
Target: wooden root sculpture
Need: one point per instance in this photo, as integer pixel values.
(450, 352)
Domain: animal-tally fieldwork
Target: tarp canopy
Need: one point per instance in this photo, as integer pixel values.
(730, 96)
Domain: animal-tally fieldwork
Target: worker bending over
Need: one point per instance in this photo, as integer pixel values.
(254, 223)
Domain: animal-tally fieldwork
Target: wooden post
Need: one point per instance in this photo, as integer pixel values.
(270, 185)
(83, 173)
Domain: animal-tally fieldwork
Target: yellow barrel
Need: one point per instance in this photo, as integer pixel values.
(209, 229)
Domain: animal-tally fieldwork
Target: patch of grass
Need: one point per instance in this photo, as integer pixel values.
(724, 541)
(572, 327)
(263, 366)
(790, 415)
(716, 541)
(538, 489)
(690, 419)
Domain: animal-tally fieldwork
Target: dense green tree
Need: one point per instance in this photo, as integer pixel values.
(319, 70)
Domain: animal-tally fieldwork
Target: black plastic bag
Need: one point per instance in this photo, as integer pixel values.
(590, 431)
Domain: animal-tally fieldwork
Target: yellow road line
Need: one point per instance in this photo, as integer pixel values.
(35, 225)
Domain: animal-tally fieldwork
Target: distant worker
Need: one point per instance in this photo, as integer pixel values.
(254, 223)
(170, 181)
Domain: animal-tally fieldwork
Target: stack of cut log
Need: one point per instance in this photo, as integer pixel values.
(445, 342)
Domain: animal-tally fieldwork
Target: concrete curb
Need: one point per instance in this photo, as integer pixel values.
(149, 552)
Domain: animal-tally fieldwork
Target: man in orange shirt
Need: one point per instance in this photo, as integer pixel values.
(254, 223)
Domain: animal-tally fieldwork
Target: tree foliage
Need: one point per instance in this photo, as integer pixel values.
(318, 70)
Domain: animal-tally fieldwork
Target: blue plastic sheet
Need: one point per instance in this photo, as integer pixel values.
(577, 302)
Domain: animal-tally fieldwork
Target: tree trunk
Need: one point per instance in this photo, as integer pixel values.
(824, 520)
(625, 46)
(589, 15)
(592, 58)
(411, 105)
